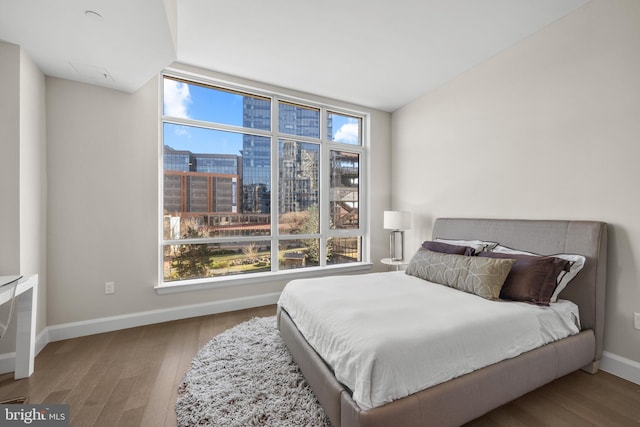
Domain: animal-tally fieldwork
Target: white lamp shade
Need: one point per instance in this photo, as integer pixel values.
(397, 220)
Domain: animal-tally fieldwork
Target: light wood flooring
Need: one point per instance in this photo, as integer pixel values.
(130, 377)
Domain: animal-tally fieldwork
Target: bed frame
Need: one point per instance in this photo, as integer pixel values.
(467, 397)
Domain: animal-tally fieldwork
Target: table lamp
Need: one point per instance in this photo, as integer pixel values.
(397, 221)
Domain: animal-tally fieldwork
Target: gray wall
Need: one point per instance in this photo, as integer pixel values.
(23, 175)
(549, 128)
(10, 158)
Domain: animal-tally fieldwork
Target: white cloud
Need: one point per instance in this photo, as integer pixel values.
(181, 131)
(176, 98)
(348, 133)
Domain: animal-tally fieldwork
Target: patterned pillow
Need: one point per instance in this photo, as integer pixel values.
(481, 276)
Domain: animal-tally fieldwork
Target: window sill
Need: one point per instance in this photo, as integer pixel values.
(250, 279)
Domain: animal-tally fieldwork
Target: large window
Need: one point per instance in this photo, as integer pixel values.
(255, 183)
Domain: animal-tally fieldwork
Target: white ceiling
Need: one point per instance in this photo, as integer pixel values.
(123, 50)
(380, 54)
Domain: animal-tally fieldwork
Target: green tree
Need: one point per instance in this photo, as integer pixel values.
(191, 260)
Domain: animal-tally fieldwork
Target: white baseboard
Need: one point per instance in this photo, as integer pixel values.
(114, 323)
(8, 360)
(620, 367)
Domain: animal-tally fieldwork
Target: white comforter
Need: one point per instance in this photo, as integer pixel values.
(388, 335)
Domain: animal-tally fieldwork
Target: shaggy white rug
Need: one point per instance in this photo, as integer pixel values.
(246, 377)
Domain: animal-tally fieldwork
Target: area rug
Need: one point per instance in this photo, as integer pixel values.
(246, 377)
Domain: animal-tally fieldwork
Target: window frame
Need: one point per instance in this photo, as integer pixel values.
(275, 238)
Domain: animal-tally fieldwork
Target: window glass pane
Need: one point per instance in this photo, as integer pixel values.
(194, 261)
(298, 187)
(343, 250)
(206, 103)
(217, 175)
(298, 120)
(216, 183)
(299, 253)
(256, 175)
(341, 128)
(344, 190)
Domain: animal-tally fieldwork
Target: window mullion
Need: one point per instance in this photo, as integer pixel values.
(215, 126)
(275, 173)
(324, 188)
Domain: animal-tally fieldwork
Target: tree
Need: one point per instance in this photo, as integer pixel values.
(312, 226)
(251, 252)
(191, 260)
(293, 222)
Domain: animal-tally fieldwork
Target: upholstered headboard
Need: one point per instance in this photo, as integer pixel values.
(547, 237)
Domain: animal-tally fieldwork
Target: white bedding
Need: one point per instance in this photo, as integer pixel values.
(388, 335)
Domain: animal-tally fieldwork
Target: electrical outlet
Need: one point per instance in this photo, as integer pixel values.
(636, 320)
(109, 288)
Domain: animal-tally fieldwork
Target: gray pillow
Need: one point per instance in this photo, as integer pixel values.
(447, 248)
(532, 278)
(480, 276)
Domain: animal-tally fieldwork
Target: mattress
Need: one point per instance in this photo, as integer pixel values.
(388, 335)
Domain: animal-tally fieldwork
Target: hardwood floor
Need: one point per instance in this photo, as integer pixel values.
(130, 377)
(578, 399)
(122, 378)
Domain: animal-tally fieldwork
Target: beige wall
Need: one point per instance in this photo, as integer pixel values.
(23, 175)
(103, 198)
(10, 158)
(550, 128)
(33, 179)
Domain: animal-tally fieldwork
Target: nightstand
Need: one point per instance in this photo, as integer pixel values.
(397, 264)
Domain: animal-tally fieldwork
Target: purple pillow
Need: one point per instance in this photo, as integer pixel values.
(447, 248)
(532, 278)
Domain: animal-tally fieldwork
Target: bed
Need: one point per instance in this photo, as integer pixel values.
(471, 395)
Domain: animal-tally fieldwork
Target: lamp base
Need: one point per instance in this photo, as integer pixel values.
(396, 245)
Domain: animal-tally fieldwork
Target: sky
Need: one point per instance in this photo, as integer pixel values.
(199, 103)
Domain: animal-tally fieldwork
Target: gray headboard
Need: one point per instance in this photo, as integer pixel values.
(547, 237)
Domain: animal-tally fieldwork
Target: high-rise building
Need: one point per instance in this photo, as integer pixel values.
(299, 162)
(196, 183)
(256, 157)
(299, 180)
(227, 183)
